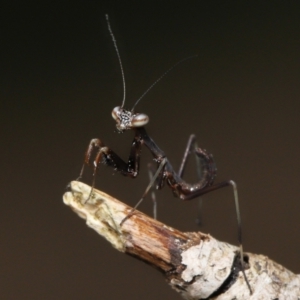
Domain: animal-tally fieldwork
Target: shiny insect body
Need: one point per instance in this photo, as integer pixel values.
(98, 153)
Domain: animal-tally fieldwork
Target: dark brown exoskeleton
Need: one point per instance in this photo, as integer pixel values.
(130, 120)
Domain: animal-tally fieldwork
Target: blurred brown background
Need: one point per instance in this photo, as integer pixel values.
(60, 79)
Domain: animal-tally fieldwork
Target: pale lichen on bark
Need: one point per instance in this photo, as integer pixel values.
(195, 264)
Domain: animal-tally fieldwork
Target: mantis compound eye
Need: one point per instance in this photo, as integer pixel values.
(127, 120)
(116, 113)
(139, 120)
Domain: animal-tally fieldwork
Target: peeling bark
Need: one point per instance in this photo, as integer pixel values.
(195, 264)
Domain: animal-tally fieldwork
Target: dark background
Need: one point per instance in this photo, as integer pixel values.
(60, 79)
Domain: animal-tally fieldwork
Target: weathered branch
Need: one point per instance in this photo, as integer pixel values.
(195, 264)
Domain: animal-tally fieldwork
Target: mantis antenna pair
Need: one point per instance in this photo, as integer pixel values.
(130, 120)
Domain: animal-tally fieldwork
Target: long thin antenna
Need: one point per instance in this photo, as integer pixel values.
(119, 58)
(163, 75)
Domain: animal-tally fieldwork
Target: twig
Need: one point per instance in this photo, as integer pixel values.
(195, 264)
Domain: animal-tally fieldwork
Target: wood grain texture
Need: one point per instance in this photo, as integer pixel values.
(195, 264)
